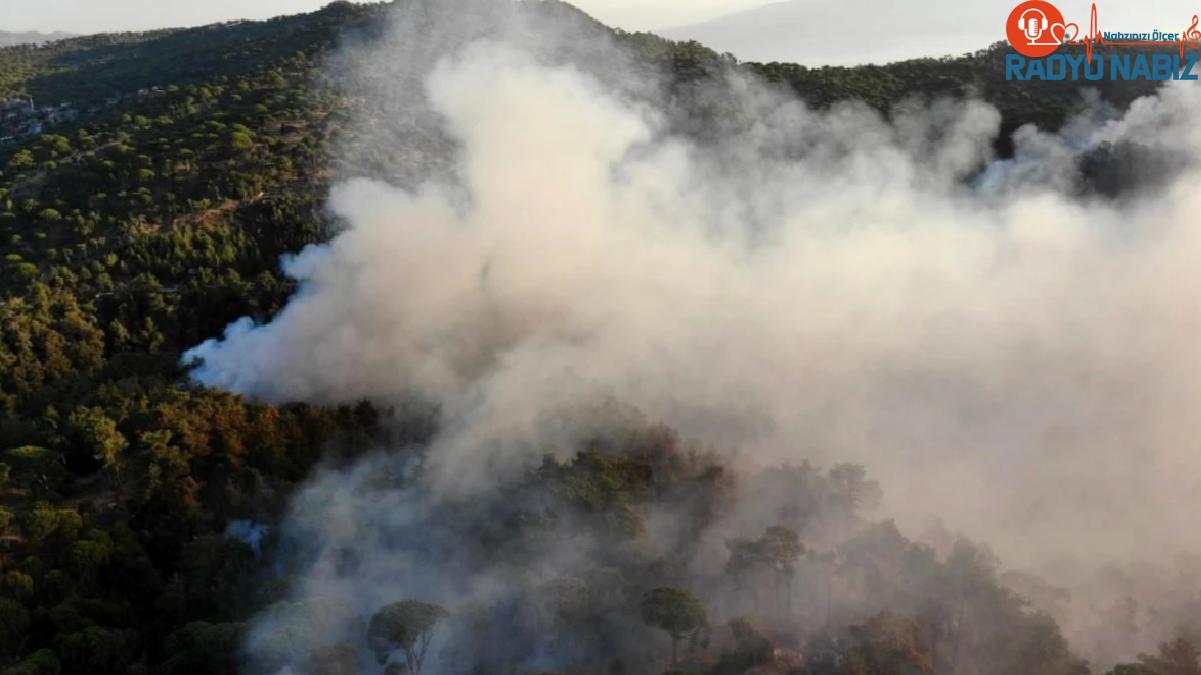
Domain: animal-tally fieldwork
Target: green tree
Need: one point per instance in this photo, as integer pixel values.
(407, 625)
(101, 440)
(1178, 657)
(885, 644)
(241, 141)
(201, 647)
(41, 662)
(45, 337)
(22, 159)
(45, 521)
(750, 649)
(14, 621)
(776, 552)
(96, 650)
(1133, 669)
(676, 611)
(852, 489)
(781, 548)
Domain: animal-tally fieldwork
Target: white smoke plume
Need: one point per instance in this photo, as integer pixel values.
(1004, 352)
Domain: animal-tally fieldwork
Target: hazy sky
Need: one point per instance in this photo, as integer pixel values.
(808, 31)
(90, 16)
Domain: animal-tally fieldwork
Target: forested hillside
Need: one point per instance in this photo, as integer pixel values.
(157, 212)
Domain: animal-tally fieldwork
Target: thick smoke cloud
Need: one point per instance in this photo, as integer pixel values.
(1008, 352)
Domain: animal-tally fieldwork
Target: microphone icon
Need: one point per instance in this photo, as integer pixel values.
(1036, 28)
(1032, 28)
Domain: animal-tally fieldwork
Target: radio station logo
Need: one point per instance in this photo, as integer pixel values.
(1037, 31)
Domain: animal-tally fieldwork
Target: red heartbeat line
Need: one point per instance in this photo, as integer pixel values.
(1189, 39)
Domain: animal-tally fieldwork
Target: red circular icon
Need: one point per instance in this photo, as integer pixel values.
(1035, 28)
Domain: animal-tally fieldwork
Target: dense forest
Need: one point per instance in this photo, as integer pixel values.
(139, 511)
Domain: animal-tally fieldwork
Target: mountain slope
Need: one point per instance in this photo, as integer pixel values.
(834, 32)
